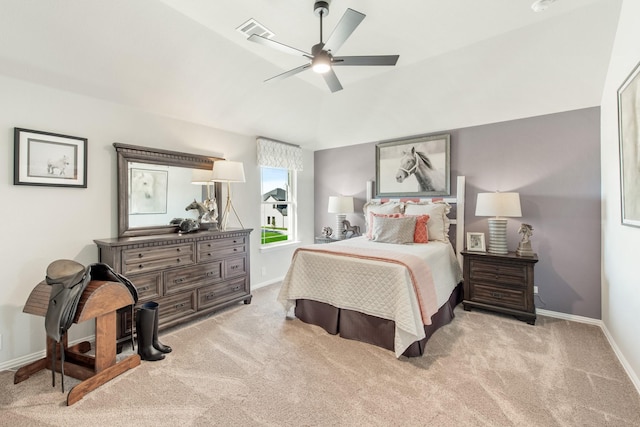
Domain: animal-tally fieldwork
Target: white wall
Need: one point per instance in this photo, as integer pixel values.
(620, 279)
(41, 224)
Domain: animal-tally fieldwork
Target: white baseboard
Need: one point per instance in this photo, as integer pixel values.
(623, 361)
(266, 283)
(14, 364)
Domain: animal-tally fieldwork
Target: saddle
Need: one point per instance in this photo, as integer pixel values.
(68, 279)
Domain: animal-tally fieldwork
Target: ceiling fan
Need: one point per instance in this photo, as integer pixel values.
(322, 59)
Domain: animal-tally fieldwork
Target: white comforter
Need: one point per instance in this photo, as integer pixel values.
(372, 287)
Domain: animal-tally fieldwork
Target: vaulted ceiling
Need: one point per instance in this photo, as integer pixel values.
(462, 62)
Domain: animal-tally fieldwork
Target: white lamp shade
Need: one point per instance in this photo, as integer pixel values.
(498, 204)
(340, 204)
(227, 171)
(201, 176)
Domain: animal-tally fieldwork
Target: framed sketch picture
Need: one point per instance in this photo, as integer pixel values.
(43, 158)
(148, 191)
(475, 242)
(629, 136)
(413, 167)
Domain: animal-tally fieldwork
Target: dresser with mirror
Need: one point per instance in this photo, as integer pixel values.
(188, 274)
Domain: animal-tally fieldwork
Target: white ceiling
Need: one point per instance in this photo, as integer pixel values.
(462, 62)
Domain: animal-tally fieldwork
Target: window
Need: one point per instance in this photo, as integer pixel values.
(278, 205)
(279, 163)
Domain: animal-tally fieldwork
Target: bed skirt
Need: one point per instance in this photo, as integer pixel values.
(354, 325)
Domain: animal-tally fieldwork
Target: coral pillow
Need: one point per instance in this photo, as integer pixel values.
(421, 234)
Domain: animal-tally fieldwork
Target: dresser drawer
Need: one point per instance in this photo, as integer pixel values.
(499, 296)
(217, 249)
(149, 285)
(222, 292)
(182, 279)
(157, 258)
(235, 267)
(506, 274)
(176, 307)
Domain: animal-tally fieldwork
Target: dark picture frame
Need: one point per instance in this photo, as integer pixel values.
(148, 191)
(402, 167)
(629, 139)
(49, 159)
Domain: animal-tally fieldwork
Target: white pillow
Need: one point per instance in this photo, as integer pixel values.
(438, 224)
(379, 208)
(393, 230)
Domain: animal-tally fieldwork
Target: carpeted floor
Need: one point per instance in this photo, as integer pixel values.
(250, 365)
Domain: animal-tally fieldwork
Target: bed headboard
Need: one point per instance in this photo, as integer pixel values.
(456, 216)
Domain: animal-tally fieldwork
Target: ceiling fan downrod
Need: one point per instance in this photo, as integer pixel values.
(321, 9)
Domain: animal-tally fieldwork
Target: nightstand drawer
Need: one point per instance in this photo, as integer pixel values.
(497, 295)
(506, 274)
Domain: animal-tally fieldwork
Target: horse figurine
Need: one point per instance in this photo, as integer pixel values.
(347, 227)
(417, 163)
(207, 212)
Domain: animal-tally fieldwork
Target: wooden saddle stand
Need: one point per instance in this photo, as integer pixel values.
(100, 300)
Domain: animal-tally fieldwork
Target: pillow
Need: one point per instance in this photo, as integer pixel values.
(438, 224)
(393, 230)
(421, 235)
(379, 208)
(372, 214)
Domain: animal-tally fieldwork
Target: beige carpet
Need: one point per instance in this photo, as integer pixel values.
(249, 365)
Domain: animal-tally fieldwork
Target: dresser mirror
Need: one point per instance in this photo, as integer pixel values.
(155, 187)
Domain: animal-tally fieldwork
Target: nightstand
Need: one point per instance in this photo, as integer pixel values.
(322, 239)
(501, 283)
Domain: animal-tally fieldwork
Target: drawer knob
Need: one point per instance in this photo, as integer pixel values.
(233, 267)
(236, 288)
(180, 280)
(180, 305)
(210, 296)
(235, 249)
(144, 288)
(140, 255)
(178, 260)
(178, 249)
(235, 241)
(498, 295)
(140, 266)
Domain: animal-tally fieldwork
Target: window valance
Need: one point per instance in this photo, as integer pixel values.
(276, 154)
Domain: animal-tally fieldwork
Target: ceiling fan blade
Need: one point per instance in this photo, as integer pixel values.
(279, 46)
(347, 24)
(332, 81)
(366, 60)
(290, 72)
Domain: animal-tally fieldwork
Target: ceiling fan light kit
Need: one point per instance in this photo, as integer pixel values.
(540, 5)
(322, 59)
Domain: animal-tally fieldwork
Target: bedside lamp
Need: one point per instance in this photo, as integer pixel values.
(340, 205)
(228, 171)
(498, 205)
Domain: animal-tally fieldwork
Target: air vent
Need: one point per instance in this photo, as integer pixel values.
(252, 27)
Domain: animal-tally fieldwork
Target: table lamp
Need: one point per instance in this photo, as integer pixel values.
(498, 206)
(340, 205)
(228, 171)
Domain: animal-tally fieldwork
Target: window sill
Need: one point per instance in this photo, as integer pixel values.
(280, 246)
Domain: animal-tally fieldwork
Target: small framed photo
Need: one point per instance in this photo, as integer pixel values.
(475, 242)
(50, 159)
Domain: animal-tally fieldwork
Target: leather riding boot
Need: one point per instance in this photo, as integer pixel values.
(151, 305)
(145, 324)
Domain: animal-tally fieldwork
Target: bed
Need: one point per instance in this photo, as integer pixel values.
(382, 288)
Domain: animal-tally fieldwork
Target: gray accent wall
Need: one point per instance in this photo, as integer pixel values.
(553, 161)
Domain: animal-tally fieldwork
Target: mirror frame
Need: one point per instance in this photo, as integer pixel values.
(133, 153)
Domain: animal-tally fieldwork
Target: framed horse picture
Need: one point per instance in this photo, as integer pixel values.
(414, 167)
(50, 159)
(628, 125)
